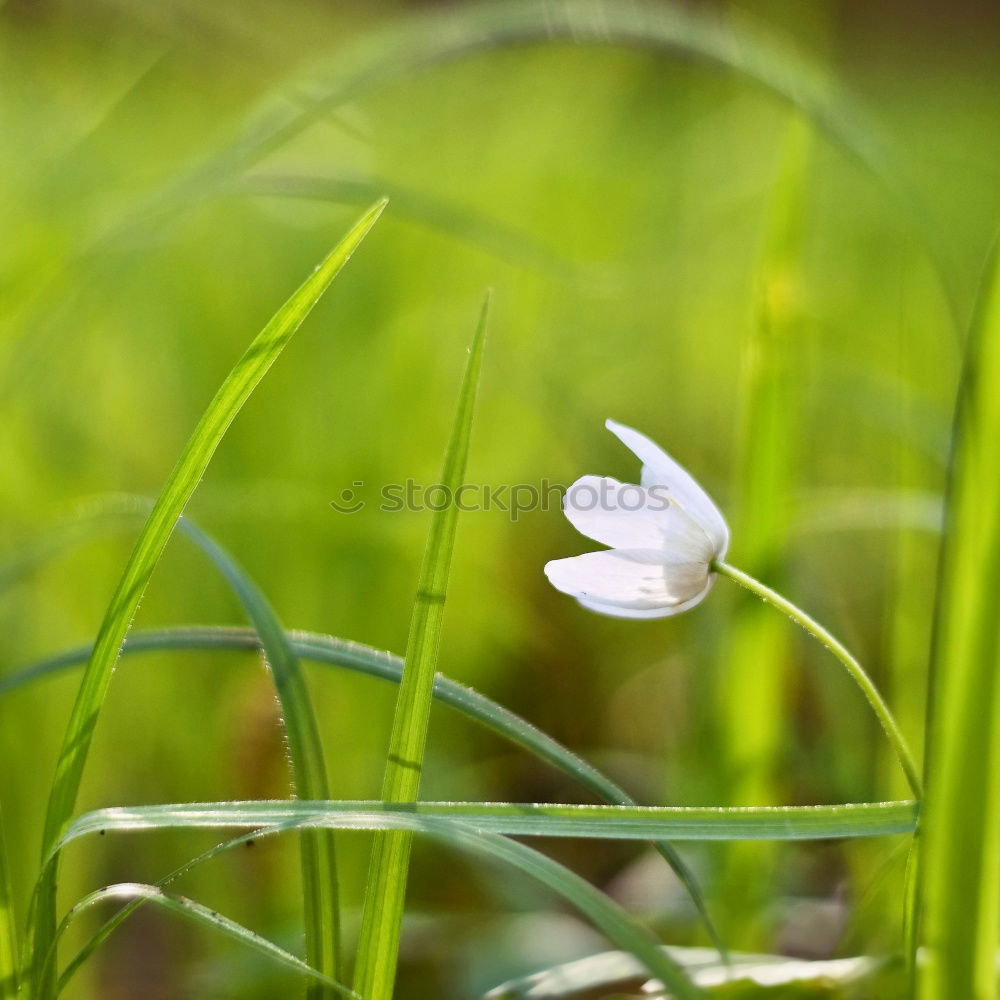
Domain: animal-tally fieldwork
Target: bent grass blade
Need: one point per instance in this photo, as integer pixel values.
(137, 892)
(320, 883)
(480, 828)
(607, 915)
(110, 512)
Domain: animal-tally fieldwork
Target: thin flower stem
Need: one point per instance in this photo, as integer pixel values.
(852, 666)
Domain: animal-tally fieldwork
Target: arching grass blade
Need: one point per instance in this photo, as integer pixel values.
(211, 919)
(734, 42)
(112, 923)
(109, 512)
(320, 884)
(610, 918)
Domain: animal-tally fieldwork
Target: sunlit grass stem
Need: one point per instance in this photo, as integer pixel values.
(385, 894)
(853, 667)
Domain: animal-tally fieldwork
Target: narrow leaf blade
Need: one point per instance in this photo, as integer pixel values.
(607, 915)
(181, 484)
(522, 819)
(320, 883)
(133, 892)
(959, 868)
(385, 894)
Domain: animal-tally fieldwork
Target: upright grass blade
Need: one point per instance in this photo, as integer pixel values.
(235, 390)
(959, 867)
(385, 894)
(305, 753)
(8, 925)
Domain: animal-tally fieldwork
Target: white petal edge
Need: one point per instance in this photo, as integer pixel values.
(628, 579)
(615, 611)
(659, 469)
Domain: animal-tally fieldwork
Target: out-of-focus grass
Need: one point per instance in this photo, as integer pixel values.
(959, 864)
(753, 701)
(652, 178)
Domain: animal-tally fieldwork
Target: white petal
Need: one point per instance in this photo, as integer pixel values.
(659, 469)
(626, 516)
(635, 580)
(620, 612)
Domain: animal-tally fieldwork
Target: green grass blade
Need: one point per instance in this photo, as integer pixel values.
(305, 752)
(320, 887)
(114, 922)
(385, 894)
(522, 819)
(197, 454)
(111, 511)
(8, 925)
(481, 827)
(610, 918)
(959, 868)
(329, 651)
(211, 919)
(352, 656)
(735, 43)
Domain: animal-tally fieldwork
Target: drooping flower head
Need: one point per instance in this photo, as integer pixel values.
(663, 535)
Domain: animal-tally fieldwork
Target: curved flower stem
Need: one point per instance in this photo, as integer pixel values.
(852, 666)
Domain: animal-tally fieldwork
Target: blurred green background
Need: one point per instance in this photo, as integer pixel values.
(669, 245)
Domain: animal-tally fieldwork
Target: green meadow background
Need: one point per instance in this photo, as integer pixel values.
(669, 245)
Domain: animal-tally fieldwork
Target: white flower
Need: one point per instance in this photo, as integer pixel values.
(664, 536)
